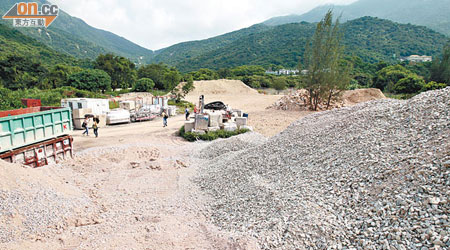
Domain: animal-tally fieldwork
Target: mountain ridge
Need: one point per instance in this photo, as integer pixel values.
(72, 35)
(429, 13)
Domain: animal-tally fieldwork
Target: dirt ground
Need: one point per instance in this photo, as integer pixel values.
(239, 96)
(137, 179)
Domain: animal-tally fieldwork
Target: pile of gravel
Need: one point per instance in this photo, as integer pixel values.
(33, 206)
(373, 176)
(233, 144)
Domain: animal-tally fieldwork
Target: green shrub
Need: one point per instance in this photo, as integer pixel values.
(209, 136)
(433, 86)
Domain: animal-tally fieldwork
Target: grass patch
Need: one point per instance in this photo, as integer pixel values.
(209, 136)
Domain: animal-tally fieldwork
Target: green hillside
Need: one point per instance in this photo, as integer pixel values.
(73, 36)
(370, 38)
(430, 13)
(188, 50)
(13, 42)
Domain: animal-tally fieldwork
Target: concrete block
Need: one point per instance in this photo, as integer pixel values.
(80, 113)
(241, 121)
(189, 125)
(230, 126)
(201, 122)
(247, 127)
(215, 119)
(212, 129)
(102, 119)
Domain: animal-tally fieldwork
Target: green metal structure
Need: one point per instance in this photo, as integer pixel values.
(22, 127)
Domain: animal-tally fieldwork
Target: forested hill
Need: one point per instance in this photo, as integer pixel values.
(187, 50)
(13, 42)
(430, 13)
(73, 36)
(372, 39)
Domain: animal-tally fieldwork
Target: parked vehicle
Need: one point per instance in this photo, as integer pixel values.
(35, 136)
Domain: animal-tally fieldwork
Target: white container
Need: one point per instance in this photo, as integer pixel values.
(117, 116)
(98, 106)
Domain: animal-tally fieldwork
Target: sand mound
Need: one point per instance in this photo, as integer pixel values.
(298, 101)
(352, 97)
(221, 87)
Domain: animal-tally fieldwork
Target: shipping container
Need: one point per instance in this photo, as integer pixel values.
(22, 127)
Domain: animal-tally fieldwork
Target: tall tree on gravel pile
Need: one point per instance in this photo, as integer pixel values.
(327, 75)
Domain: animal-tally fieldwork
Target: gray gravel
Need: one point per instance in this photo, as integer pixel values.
(35, 212)
(372, 176)
(233, 144)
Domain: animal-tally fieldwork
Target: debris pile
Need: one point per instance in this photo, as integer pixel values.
(371, 176)
(299, 100)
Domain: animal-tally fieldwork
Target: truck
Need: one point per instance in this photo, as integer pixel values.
(36, 136)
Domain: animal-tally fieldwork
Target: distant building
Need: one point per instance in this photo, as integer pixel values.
(417, 58)
(283, 72)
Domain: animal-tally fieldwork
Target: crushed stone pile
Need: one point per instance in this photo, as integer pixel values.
(371, 176)
(34, 204)
(233, 144)
(298, 100)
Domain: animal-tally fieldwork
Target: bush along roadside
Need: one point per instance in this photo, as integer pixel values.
(209, 136)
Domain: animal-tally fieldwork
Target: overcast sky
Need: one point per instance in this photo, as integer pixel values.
(155, 24)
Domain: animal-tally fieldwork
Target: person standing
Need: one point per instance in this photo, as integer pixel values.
(186, 112)
(165, 117)
(85, 126)
(95, 126)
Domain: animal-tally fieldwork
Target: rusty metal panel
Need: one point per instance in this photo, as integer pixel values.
(24, 127)
(42, 153)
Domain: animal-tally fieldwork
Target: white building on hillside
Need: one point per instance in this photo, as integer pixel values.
(417, 58)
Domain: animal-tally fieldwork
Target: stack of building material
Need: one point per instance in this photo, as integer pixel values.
(241, 121)
(172, 110)
(215, 119)
(189, 125)
(229, 126)
(78, 116)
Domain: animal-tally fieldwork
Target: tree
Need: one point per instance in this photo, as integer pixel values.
(409, 85)
(58, 76)
(144, 85)
(387, 77)
(440, 69)
(90, 79)
(18, 72)
(171, 79)
(189, 86)
(279, 84)
(121, 70)
(327, 76)
(155, 72)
